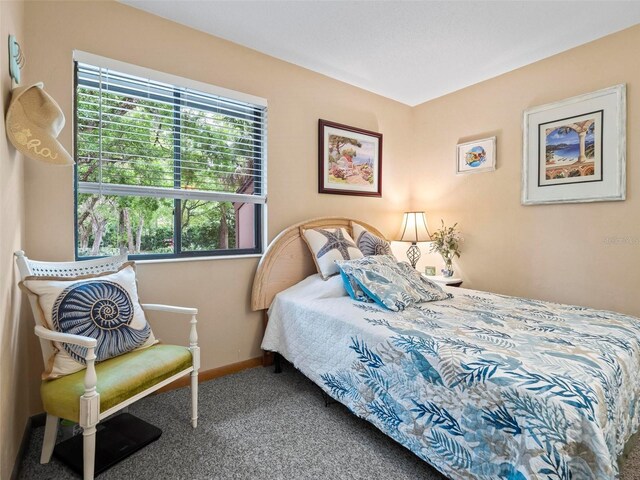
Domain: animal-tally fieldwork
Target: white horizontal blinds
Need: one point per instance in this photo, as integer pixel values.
(137, 136)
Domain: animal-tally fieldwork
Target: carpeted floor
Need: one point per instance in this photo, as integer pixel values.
(256, 424)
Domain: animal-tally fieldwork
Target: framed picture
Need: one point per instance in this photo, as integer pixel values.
(349, 160)
(477, 156)
(575, 149)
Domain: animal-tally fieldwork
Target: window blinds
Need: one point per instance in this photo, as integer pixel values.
(138, 136)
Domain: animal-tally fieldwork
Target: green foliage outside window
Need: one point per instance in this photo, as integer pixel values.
(138, 145)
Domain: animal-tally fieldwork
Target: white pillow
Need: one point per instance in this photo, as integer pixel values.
(328, 245)
(104, 307)
(368, 243)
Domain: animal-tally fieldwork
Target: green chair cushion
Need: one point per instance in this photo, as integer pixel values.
(119, 378)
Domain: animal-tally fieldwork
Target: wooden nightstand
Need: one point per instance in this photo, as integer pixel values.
(448, 281)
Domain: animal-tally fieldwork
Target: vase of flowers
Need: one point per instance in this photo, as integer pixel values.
(446, 241)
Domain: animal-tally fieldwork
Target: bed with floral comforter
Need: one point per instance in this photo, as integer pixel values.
(481, 386)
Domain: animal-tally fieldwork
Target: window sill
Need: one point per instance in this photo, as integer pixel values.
(198, 259)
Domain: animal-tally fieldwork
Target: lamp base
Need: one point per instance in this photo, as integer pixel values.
(413, 254)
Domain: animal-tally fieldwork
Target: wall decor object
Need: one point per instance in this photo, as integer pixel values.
(34, 121)
(16, 59)
(575, 149)
(477, 156)
(349, 160)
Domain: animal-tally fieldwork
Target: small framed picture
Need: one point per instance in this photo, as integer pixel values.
(431, 271)
(477, 156)
(349, 160)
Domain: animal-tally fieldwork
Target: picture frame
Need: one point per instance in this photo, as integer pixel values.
(430, 271)
(574, 150)
(349, 160)
(476, 156)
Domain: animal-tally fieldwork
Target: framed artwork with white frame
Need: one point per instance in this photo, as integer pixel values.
(476, 156)
(575, 150)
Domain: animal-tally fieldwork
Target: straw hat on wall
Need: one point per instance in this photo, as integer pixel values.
(34, 121)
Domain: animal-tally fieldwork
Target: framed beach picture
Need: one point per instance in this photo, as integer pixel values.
(349, 160)
(477, 156)
(575, 149)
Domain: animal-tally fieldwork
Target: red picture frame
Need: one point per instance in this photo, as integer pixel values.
(349, 160)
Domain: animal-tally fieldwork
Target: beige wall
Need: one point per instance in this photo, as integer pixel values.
(552, 252)
(14, 334)
(297, 98)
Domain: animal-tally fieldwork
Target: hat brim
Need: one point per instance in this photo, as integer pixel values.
(39, 145)
(30, 140)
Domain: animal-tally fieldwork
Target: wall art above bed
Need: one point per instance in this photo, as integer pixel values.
(575, 149)
(477, 156)
(349, 160)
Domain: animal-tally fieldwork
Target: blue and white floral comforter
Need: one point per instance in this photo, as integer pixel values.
(481, 386)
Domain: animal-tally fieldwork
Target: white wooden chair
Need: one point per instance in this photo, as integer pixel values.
(90, 413)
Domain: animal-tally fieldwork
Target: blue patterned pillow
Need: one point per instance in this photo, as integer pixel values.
(353, 288)
(104, 307)
(392, 285)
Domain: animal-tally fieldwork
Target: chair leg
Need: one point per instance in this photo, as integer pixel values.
(89, 451)
(194, 398)
(50, 435)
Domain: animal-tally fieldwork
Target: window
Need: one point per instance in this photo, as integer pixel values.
(163, 169)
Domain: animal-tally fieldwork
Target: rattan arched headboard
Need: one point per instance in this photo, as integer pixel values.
(287, 260)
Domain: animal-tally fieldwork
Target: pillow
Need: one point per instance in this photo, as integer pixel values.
(103, 306)
(392, 285)
(368, 243)
(328, 245)
(353, 288)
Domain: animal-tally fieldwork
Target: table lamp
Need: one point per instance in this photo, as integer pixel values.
(414, 229)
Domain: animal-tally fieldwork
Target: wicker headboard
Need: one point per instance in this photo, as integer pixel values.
(287, 260)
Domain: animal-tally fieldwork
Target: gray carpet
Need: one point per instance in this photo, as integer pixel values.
(256, 424)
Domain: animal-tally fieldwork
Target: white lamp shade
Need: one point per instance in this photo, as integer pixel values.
(414, 228)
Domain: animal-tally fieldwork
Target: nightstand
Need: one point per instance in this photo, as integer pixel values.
(448, 281)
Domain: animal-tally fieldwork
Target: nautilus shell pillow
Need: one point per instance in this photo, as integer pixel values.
(368, 243)
(328, 245)
(104, 307)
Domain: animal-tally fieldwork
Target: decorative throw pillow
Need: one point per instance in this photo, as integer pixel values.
(368, 243)
(353, 288)
(104, 307)
(328, 245)
(392, 285)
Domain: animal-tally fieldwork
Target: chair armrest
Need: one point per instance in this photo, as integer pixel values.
(90, 400)
(193, 333)
(169, 308)
(47, 334)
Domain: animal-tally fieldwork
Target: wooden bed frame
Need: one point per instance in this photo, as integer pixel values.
(288, 261)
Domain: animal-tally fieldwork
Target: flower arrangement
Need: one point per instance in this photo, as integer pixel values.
(446, 241)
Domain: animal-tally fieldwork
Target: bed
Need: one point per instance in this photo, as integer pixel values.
(480, 385)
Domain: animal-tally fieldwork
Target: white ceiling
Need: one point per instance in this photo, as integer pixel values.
(410, 51)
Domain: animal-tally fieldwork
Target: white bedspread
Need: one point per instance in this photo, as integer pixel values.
(481, 386)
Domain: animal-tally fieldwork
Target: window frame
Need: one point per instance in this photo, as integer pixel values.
(259, 227)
